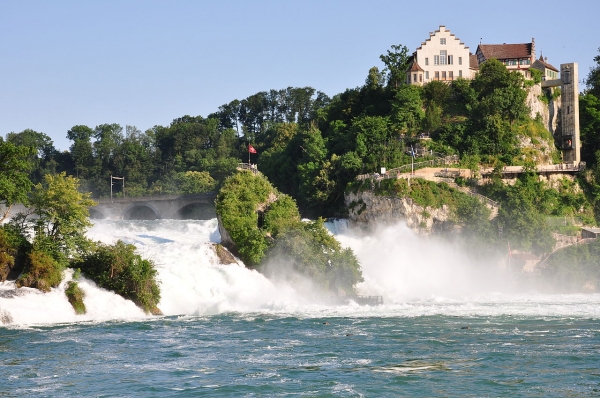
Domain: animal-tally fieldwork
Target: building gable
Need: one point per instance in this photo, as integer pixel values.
(443, 56)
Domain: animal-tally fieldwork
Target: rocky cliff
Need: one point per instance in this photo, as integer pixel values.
(548, 111)
(367, 210)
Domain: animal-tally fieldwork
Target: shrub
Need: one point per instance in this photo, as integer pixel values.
(118, 268)
(312, 252)
(13, 249)
(75, 296)
(41, 272)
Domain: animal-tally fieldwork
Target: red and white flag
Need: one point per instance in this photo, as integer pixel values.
(251, 149)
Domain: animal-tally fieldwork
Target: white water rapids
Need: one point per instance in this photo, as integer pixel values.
(416, 276)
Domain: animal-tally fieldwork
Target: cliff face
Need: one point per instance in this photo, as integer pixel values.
(548, 111)
(367, 210)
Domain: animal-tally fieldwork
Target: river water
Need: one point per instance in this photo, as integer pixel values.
(447, 328)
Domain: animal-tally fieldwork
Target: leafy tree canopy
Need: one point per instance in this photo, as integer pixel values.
(14, 181)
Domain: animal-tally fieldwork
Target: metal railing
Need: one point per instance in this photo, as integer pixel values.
(483, 199)
(248, 166)
(393, 173)
(564, 221)
(550, 168)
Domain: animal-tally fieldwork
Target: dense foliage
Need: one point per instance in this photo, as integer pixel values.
(14, 181)
(42, 271)
(267, 233)
(118, 268)
(13, 249)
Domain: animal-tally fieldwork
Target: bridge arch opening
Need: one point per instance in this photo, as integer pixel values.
(96, 215)
(140, 212)
(196, 211)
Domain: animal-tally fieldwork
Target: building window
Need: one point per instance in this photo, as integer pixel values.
(525, 61)
(460, 73)
(426, 61)
(443, 57)
(451, 75)
(443, 41)
(436, 59)
(450, 60)
(512, 62)
(420, 78)
(426, 75)
(443, 75)
(437, 75)
(460, 60)
(414, 77)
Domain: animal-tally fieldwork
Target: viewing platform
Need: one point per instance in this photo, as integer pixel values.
(248, 166)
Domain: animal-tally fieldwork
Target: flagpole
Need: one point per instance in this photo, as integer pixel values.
(248, 154)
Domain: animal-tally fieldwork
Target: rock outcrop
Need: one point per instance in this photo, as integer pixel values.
(225, 257)
(367, 210)
(548, 111)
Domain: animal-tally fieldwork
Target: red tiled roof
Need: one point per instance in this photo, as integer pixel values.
(506, 51)
(544, 64)
(414, 67)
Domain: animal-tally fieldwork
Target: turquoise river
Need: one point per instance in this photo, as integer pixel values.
(447, 328)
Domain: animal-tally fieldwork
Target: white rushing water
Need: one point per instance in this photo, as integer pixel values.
(415, 275)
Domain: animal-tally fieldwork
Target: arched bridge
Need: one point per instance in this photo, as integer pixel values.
(194, 207)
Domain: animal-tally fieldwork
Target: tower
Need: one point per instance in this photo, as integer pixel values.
(570, 141)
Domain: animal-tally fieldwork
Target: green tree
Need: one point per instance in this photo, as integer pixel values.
(59, 216)
(396, 64)
(593, 79)
(14, 181)
(589, 119)
(375, 79)
(192, 182)
(407, 109)
(81, 150)
(500, 92)
(43, 155)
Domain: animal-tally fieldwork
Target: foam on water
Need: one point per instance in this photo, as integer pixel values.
(416, 276)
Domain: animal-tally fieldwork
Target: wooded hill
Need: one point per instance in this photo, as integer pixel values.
(311, 146)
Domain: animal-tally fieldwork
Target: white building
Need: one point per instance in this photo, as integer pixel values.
(441, 57)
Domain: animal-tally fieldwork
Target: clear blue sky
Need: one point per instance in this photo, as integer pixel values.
(147, 62)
